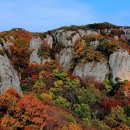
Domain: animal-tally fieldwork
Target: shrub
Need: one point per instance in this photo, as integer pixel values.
(57, 47)
(48, 67)
(39, 86)
(100, 125)
(10, 123)
(102, 25)
(87, 96)
(60, 75)
(109, 103)
(92, 55)
(85, 52)
(92, 80)
(9, 99)
(122, 127)
(58, 83)
(78, 50)
(107, 46)
(108, 86)
(44, 50)
(33, 111)
(115, 32)
(90, 39)
(61, 102)
(20, 42)
(116, 117)
(82, 110)
(45, 98)
(72, 127)
(1, 53)
(127, 110)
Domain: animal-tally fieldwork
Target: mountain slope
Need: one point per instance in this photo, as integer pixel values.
(72, 78)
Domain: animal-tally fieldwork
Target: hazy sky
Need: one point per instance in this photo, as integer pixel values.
(42, 15)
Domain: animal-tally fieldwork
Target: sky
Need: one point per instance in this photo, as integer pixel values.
(44, 15)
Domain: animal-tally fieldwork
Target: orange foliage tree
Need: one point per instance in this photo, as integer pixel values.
(30, 113)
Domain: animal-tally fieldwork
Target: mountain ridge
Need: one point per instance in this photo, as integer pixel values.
(69, 26)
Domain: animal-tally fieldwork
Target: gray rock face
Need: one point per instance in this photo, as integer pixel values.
(49, 40)
(126, 34)
(82, 32)
(65, 57)
(75, 37)
(34, 46)
(8, 75)
(92, 32)
(34, 57)
(95, 69)
(119, 67)
(6, 43)
(68, 38)
(119, 63)
(63, 37)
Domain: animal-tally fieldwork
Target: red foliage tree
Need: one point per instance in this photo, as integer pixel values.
(29, 113)
(109, 103)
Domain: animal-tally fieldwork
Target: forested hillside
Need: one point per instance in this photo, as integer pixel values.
(70, 78)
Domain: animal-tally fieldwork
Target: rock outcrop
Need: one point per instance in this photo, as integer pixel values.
(8, 75)
(35, 44)
(6, 43)
(49, 40)
(119, 63)
(126, 34)
(99, 70)
(65, 57)
(67, 39)
(64, 39)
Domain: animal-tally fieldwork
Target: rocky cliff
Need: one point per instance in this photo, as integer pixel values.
(8, 75)
(97, 50)
(35, 44)
(92, 69)
(119, 63)
(115, 64)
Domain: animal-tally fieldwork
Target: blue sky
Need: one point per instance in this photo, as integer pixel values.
(43, 15)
